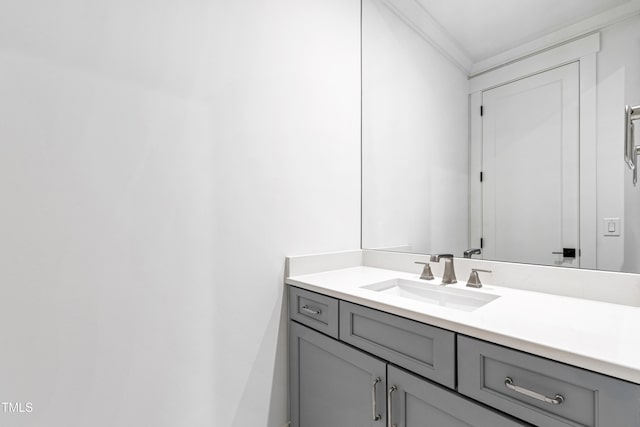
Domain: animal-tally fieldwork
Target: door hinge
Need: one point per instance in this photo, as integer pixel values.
(481, 176)
(482, 243)
(482, 110)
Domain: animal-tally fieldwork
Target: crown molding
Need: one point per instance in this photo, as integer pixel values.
(412, 13)
(420, 20)
(564, 35)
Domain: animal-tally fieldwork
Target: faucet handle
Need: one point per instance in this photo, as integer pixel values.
(474, 279)
(426, 271)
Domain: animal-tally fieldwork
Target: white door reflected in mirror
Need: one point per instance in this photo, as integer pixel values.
(530, 160)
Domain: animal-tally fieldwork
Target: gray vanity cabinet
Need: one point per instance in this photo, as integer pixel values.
(332, 384)
(353, 366)
(415, 402)
(335, 385)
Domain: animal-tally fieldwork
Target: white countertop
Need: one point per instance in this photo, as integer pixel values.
(602, 337)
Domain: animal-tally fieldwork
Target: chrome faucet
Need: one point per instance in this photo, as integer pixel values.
(449, 276)
(472, 251)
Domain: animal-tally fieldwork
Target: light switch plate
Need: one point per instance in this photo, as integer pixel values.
(611, 226)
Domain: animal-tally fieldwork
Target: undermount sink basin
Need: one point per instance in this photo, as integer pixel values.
(459, 299)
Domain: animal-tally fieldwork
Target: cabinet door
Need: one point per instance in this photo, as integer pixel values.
(415, 402)
(332, 384)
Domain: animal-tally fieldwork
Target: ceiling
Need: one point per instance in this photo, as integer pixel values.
(486, 28)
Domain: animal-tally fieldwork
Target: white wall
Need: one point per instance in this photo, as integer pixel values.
(287, 180)
(618, 85)
(157, 162)
(415, 140)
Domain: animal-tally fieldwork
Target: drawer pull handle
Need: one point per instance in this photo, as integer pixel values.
(308, 310)
(558, 399)
(376, 415)
(390, 422)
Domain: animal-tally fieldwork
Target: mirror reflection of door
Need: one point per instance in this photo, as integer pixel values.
(530, 165)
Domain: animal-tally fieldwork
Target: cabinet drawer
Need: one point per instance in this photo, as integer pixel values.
(317, 311)
(417, 402)
(574, 397)
(423, 349)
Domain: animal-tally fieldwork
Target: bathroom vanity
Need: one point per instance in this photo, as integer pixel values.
(371, 344)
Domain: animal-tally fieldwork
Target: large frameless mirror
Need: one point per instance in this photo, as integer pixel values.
(496, 128)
